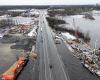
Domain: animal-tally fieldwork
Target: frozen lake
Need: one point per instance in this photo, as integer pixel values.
(92, 26)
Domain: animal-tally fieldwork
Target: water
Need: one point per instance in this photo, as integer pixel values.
(7, 56)
(92, 26)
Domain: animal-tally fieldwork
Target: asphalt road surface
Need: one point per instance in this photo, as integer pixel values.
(52, 66)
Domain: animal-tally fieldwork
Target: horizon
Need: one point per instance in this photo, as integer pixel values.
(52, 5)
(49, 2)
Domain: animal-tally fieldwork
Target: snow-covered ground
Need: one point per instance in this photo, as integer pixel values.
(77, 16)
(68, 36)
(70, 48)
(96, 12)
(34, 11)
(33, 32)
(4, 17)
(1, 36)
(18, 10)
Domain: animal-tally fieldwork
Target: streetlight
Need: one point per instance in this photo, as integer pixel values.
(75, 27)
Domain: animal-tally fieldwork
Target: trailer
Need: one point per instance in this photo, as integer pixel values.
(15, 69)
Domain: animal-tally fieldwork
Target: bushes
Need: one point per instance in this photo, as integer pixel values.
(52, 12)
(54, 23)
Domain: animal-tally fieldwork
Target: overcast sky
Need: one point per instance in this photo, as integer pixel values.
(46, 2)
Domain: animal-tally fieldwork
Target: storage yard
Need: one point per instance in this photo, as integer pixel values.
(15, 39)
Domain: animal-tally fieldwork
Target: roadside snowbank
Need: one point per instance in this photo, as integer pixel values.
(33, 32)
(68, 35)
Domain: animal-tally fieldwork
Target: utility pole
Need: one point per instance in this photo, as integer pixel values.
(95, 46)
(74, 25)
(94, 58)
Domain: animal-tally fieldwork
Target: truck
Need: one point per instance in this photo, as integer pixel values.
(16, 68)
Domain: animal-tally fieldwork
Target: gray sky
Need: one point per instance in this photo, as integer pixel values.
(46, 2)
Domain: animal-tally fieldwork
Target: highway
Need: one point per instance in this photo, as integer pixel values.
(55, 61)
(51, 66)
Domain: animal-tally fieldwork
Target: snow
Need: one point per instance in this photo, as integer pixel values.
(96, 11)
(70, 48)
(77, 16)
(33, 32)
(34, 13)
(4, 17)
(17, 10)
(33, 48)
(69, 36)
(98, 72)
(1, 36)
